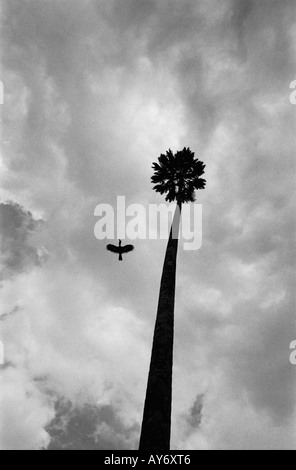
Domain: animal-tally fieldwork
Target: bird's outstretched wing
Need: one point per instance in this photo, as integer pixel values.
(127, 248)
(113, 248)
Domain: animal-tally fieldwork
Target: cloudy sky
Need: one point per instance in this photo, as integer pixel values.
(95, 90)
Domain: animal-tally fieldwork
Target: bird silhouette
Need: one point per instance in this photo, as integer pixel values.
(120, 250)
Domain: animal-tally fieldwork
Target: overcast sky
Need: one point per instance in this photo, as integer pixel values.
(95, 90)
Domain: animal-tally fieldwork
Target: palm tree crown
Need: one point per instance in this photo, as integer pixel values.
(178, 175)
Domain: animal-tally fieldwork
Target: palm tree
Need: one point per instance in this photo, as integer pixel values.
(178, 176)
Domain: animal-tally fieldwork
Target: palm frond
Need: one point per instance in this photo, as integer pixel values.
(178, 175)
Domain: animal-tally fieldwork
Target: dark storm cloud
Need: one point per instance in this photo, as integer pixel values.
(6, 365)
(4, 316)
(16, 228)
(69, 48)
(89, 428)
(195, 413)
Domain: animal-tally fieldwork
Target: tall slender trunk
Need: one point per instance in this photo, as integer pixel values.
(156, 427)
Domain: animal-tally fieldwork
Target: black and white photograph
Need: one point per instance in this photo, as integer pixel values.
(147, 227)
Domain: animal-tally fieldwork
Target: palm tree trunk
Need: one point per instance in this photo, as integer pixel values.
(156, 427)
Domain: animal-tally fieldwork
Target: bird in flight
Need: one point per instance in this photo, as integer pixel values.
(120, 250)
